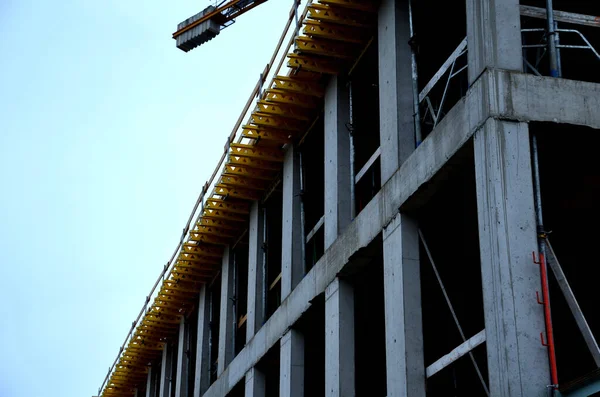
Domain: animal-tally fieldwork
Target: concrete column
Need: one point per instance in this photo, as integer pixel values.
(226, 313)
(150, 385)
(166, 371)
(337, 160)
(256, 282)
(181, 378)
(255, 383)
(395, 86)
(292, 268)
(291, 376)
(517, 362)
(405, 367)
(339, 339)
(201, 377)
(493, 36)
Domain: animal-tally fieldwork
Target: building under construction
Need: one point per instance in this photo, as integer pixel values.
(405, 207)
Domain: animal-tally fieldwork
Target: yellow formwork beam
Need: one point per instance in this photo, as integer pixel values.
(214, 231)
(297, 85)
(332, 31)
(278, 122)
(253, 162)
(359, 5)
(314, 64)
(246, 172)
(284, 110)
(325, 47)
(203, 250)
(265, 134)
(341, 16)
(268, 154)
(243, 182)
(208, 238)
(237, 192)
(240, 207)
(219, 223)
(275, 95)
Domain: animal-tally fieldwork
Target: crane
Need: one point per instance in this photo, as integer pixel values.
(208, 23)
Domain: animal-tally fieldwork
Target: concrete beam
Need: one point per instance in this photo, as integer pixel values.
(181, 377)
(292, 268)
(201, 375)
(493, 36)
(226, 316)
(256, 282)
(339, 339)
(405, 363)
(255, 383)
(291, 376)
(507, 237)
(396, 122)
(338, 200)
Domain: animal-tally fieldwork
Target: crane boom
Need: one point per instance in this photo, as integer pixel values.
(208, 23)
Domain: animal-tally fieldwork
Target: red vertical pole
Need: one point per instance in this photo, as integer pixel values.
(548, 320)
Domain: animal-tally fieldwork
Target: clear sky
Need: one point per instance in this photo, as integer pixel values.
(107, 134)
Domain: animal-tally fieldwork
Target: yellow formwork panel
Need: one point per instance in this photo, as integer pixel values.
(314, 64)
(299, 86)
(324, 47)
(284, 110)
(341, 16)
(332, 31)
(360, 5)
(278, 122)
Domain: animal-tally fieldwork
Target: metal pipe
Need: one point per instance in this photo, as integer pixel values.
(551, 39)
(558, 58)
(302, 215)
(415, 78)
(264, 268)
(543, 266)
(351, 132)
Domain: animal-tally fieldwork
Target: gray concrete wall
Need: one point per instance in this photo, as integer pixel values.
(256, 288)
(201, 374)
(226, 316)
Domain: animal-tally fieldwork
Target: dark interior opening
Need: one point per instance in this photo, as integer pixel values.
(570, 187)
(240, 297)
(449, 224)
(191, 338)
(312, 154)
(369, 323)
(312, 326)
(364, 84)
(576, 64)
(439, 28)
(272, 250)
(269, 366)
(239, 390)
(214, 295)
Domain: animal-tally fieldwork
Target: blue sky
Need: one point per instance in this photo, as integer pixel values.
(107, 134)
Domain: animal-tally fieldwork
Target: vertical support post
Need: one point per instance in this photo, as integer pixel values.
(255, 383)
(292, 268)
(339, 339)
(338, 211)
(165, 371)
(493, 36)
(226, 313)
(291, 377)
(405, 366)
(507, 237)
(202, 380)
(397, 136)
(256, 289)
(181, 380)
(150, 385)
